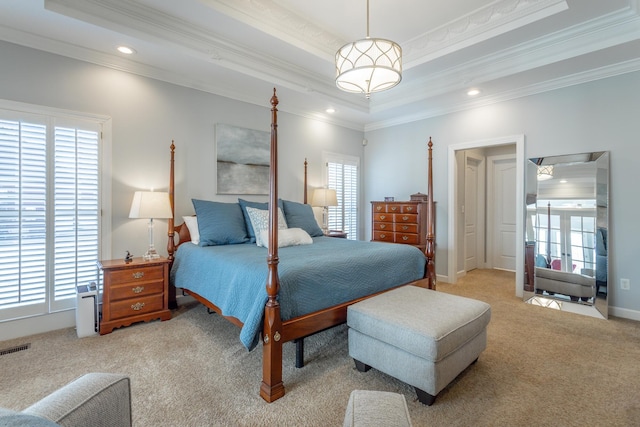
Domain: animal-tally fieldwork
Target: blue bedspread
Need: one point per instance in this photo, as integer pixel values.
(312, 277)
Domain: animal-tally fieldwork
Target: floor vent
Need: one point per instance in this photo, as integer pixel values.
(15, 349)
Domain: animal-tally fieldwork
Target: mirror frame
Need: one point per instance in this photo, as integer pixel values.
(596, 306)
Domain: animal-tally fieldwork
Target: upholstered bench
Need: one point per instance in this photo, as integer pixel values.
(422, 337)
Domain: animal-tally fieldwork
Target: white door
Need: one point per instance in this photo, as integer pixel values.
(503, 216)
(470, 214)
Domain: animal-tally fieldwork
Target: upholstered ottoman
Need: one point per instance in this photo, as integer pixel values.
(422, 337)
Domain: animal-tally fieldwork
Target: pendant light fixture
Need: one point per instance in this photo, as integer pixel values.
(368, 65)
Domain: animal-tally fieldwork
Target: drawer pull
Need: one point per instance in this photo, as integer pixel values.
(405, 228)
(378, 208)
(394, 208)
(382, 236)
(382, 217)
(137, 306)
(405, 218)
(409, 208)
(138, 275)
(405, 238)
(382, 226)
(137, 289)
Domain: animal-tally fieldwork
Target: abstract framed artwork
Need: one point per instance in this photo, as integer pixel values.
(242, 160)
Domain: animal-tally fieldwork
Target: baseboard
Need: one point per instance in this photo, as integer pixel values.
(624, 313)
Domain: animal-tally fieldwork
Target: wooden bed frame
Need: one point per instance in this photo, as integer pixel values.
(276, 331)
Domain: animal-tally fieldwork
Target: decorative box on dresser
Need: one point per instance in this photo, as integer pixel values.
(137, 291)
(400, 222)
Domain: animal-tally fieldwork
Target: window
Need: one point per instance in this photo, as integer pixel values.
(342, 175)
(49, 211)
(567, 237)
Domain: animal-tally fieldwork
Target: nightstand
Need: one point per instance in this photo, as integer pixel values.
(134, 292)
(336, 233)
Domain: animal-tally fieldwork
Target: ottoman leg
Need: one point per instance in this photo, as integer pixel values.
(424, 397)
(361, 367)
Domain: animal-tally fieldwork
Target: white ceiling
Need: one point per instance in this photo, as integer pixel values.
(241, 49)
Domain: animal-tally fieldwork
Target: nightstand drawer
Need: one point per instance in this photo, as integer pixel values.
(137, 274)
(135, 289)
(136, 306)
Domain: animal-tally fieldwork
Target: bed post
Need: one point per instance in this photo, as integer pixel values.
(431, 244)
(305, 182)
(171, 244)
(272, 387)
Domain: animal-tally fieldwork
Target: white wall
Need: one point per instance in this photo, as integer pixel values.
(146, 115)
(596, 116)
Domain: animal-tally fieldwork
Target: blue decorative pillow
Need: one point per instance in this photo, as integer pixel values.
(220, 223)
(256, 205)
(299, 215)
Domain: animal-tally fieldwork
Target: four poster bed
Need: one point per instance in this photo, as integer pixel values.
(308, 286)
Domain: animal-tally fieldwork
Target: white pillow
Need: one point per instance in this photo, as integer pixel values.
(286, 237)
(192, 225)
(260, 221)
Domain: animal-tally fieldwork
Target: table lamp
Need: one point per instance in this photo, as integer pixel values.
(324, 197)
(150, 205)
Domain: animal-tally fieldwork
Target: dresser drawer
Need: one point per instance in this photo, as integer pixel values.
(383, 226)
(379, 207)
(410, 239)
(383, 217)
(405, 228)
(409, 209)
(383, 236)
(405, 218)
(135, 290)
(138, 274)
(136, 306)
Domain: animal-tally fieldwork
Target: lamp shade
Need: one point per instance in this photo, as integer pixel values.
(368, 65)
(324, 197)
(150, 204)
(545, 172)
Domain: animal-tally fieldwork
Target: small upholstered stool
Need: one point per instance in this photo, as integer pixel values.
(422, 337)
(370, 408)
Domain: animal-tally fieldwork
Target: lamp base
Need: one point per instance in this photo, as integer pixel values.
(151, 254)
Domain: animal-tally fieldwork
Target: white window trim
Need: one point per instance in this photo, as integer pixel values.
(43, 323)
(328, 156)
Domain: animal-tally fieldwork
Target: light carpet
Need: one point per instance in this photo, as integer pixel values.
(541, 368)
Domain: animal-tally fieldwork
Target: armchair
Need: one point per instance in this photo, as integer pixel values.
(95, 399)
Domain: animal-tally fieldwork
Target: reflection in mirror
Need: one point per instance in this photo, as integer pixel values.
(567, 233)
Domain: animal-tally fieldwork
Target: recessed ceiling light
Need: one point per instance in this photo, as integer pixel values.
(330, 110)
(473, 92)
(126, 50)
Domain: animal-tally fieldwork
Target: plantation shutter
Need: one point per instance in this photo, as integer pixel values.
(342, 175)
(49, 212)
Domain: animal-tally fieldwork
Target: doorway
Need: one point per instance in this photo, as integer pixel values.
(467, 232)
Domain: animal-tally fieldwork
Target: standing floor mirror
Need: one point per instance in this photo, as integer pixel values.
(567, 240)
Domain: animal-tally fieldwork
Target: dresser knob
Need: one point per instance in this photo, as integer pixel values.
(382, 236)
(405, 238)
(405, 228)
(394, 208)
(138, 275)
(138, 289)
(137, 306)
(405, 218)
(378, 208)
(382, 226)
(409, 208)
(382, 217)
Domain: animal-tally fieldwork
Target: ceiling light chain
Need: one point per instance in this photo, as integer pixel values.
(368, 65)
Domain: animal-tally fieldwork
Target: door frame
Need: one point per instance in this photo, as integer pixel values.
(480, 213)
(518, 140)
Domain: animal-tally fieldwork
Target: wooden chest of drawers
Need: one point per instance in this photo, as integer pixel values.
(400, 222)
(134, 292)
